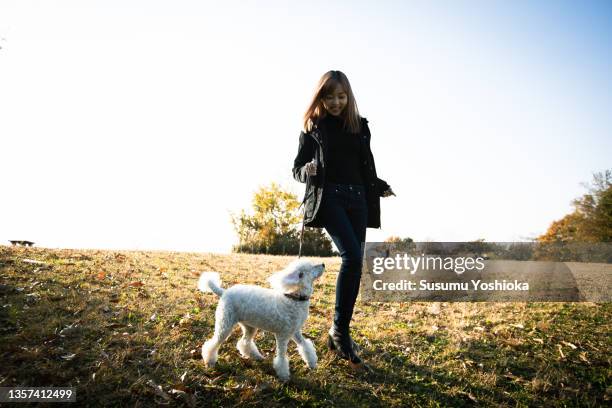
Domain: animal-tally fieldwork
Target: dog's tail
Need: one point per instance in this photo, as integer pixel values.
(210, 282)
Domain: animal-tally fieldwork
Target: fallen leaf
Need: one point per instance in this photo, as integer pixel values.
(185, 319)
(214, 380)
(177, 392)
(159, 390)
(33, 261)
(469, 395)
(178, 387)
(593, 347)
(543, 326)
(560, 351)
(573, 347)
(101, 275)
(136, 284)
(434, 309)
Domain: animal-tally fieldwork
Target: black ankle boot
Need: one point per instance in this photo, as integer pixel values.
(332, 346)
(344, 346)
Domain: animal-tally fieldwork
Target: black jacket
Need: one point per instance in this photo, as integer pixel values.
(313, 144)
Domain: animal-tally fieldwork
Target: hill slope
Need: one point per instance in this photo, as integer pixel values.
(125, 328)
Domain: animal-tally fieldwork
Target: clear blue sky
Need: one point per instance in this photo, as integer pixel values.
(144, 124)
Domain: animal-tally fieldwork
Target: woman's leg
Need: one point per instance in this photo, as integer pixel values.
(359, 218)
(345, 214)
(359, 225)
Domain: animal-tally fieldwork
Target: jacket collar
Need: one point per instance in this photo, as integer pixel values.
(317, 133)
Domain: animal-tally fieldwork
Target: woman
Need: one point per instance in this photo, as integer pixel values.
(342, 191)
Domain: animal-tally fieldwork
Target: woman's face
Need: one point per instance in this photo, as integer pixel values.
(336, 101)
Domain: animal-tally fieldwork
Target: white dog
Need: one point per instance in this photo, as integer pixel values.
(281, 310)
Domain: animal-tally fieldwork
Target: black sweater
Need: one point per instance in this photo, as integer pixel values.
(344, 152)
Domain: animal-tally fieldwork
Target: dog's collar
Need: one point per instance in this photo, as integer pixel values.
(297, 297)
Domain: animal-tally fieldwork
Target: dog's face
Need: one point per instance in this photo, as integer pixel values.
(298, 276)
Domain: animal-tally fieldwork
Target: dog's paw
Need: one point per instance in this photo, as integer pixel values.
(308, 353)
(281, 367)
(209, 362)
(209, 356)
(249, 350)
(284, 377)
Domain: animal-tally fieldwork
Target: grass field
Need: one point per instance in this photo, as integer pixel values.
(125, 328)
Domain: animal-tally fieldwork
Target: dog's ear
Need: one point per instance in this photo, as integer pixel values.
(292, 278)
(291, 275)
(285, 278)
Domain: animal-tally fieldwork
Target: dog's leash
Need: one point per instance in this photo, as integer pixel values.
(304, 216)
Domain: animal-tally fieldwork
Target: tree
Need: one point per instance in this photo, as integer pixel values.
(586, 233)
(596, 209)
(591, 220)
(274, 226)
(401, 244)
(567, 229)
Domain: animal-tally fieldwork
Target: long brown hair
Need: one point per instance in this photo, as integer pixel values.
(327, 84)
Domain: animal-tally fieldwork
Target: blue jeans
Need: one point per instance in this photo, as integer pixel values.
(345, 216)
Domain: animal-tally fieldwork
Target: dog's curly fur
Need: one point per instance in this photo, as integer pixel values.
(254, 307)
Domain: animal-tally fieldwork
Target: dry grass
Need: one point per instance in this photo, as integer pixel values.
(125, 328)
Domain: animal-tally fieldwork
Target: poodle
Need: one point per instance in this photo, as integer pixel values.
(281, 310)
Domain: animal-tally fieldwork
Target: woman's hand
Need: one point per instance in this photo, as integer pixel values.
(311, 168)
(388, 192)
